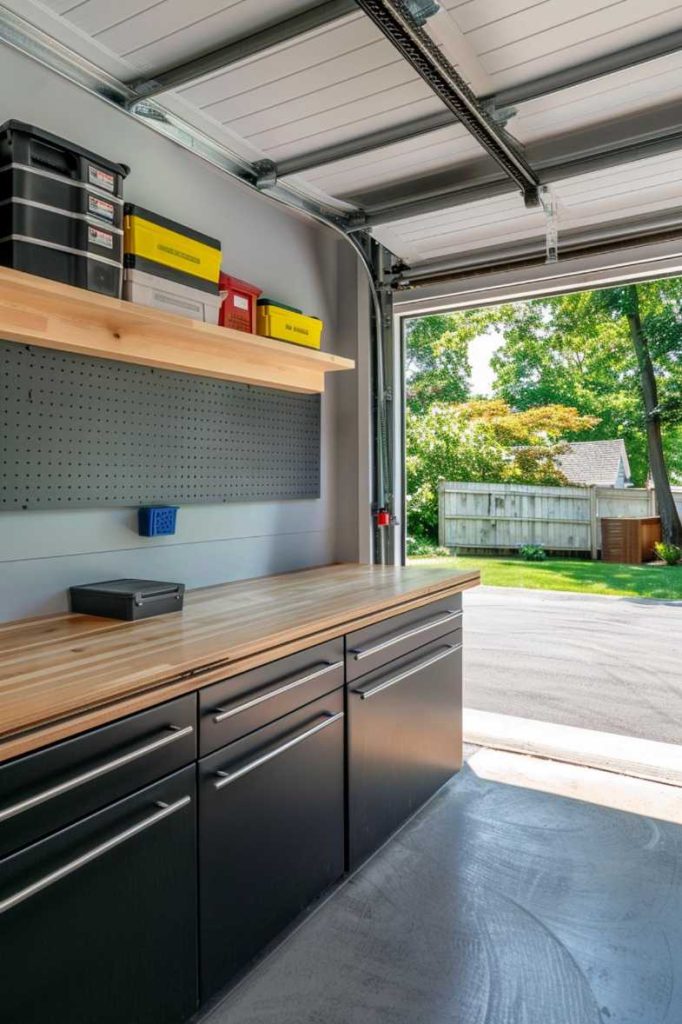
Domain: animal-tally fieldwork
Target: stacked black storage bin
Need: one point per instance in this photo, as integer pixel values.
(61, 210)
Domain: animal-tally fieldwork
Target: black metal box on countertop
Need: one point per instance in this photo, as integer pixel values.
(127, 599)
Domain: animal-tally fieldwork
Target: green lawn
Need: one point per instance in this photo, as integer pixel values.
(659, 581)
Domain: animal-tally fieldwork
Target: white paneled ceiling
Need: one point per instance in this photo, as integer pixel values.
(150, 35)
(328, 86)
(517, 40)
(346, 80)
(646, 186)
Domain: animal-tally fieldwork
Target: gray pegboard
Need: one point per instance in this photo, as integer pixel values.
(79, 432)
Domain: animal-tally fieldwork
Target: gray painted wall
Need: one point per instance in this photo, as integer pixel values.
(41, 553)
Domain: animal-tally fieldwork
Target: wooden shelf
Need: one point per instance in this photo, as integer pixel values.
(36, 311)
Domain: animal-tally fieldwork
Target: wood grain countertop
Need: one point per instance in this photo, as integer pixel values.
(63, 674)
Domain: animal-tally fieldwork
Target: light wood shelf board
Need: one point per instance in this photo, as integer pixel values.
(35, 311)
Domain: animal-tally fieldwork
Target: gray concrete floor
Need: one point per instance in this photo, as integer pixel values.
(495, 905)
(605, 663)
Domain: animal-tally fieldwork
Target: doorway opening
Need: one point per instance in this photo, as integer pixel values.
(541, 436)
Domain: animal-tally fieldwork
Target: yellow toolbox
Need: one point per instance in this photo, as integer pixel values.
(160, 246)
(273, 320)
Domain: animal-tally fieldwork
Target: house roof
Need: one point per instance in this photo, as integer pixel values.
(594, 462)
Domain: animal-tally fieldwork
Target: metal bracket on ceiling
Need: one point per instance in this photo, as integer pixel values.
(549, 205)
(266, 173)
(357, 221)
(149, 111)
(501, 116)
(422, 10)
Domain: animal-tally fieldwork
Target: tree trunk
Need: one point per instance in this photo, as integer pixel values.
(671, 527)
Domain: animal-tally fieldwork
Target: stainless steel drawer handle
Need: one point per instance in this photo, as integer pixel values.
(224, 713)
(176, 732)
(225, 778)
(451, 648)
(365, 652)
(165, 810)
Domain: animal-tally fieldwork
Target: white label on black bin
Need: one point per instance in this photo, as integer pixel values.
(101, 208)
(103, 179)
(240, 302)
(98, 237)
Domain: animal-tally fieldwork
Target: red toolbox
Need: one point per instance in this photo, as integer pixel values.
(238, 306)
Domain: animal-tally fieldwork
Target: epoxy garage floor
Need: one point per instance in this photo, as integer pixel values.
(496, 905)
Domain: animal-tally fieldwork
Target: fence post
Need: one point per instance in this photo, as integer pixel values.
(441, 514)
(594, 544)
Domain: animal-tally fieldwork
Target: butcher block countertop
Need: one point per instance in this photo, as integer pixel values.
(63, 674)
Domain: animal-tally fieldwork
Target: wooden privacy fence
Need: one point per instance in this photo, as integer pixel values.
(504, 516)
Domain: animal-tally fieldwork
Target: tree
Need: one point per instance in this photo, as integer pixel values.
(437, 365)
(564, 350)
(654, 327)
(481, 440)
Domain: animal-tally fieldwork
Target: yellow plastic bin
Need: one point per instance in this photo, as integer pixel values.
(160, 246)
(273, 320)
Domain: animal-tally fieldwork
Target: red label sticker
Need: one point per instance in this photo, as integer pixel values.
(103, 179)
(101, 208)
(103, 238)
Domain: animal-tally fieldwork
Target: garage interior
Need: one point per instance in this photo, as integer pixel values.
(468, 151)
(403, 157)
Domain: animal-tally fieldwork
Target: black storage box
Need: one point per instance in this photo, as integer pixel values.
(74, 268)
(60, 230)
(23, 147)
(61, 210)
(127, 599)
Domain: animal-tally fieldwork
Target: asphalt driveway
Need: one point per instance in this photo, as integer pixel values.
(613, 664)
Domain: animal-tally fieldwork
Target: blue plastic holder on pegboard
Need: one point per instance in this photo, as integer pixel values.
(157, 520)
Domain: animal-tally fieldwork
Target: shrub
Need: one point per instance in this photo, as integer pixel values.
(422, 546)
(670, 553)
(533, 552)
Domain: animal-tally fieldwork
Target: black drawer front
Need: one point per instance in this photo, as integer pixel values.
(404, 740)
(271, 833)
(239, 705)
(370, 648)
(98, 922)
(45, 791)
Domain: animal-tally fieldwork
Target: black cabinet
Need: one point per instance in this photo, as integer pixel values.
(271, 826)
(130, 885)
(45, 791)
(404, 740)
(373, 646)
(98, 921)
(236, 706)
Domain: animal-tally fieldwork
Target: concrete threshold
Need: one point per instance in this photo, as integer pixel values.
(590, 785)
(609, 752)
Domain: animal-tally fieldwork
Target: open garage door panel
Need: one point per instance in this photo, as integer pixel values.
(323, 101)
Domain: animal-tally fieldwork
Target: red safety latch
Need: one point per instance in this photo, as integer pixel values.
(383, 517)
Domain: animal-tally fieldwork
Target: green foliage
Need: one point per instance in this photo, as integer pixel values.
(668, 553)
(437, 365)
(576, 350)
(419, 547)
(481, 440)
(533, 553)
(563, 350)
